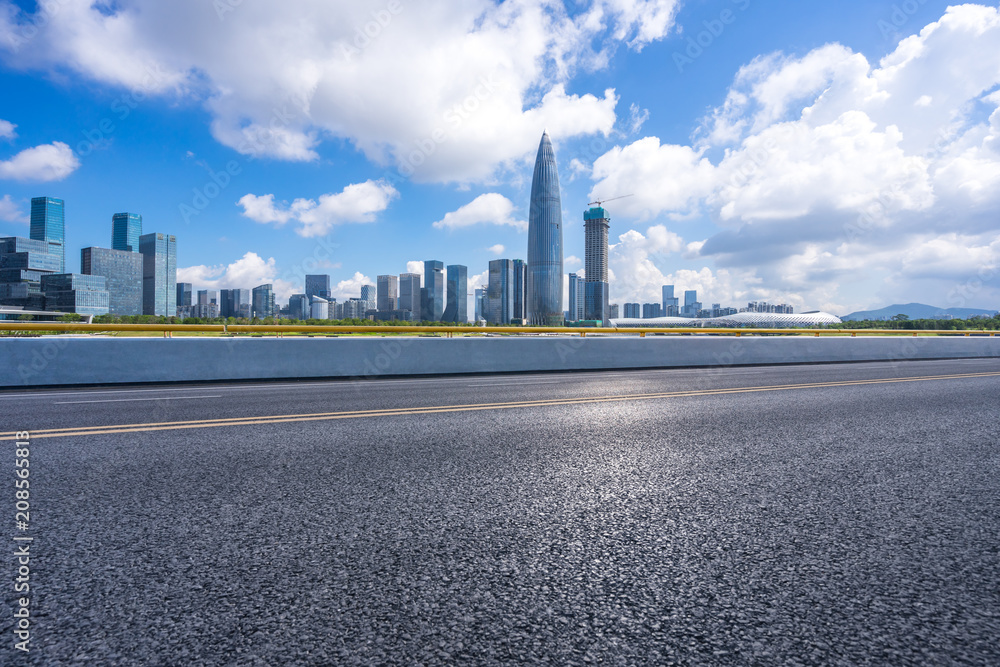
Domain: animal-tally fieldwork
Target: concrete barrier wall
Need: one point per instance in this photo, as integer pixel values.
(54, 361)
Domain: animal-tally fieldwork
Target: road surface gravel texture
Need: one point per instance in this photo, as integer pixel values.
(839, 521)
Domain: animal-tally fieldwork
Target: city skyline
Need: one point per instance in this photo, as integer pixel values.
(759, 171)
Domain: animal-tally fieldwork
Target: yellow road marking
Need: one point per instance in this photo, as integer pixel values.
(395, 412)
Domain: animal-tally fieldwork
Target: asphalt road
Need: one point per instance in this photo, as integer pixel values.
(836, 514)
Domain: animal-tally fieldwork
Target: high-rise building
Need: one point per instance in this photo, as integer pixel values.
(263, 301)
(122, 271)
(185, 295)
(432, 293)
(75, 293)
(597, 222)
(650, 310)
(159, 274)
(670, 306)
(457, 310)
(126, 228)
(520, 293)
(388, 293)
(48, 223)
(409, 293)
(500, 292)
(207, 296)
(479, 303)
(235, 303)
(576, 298)
(369, 294)
(299, 307)
(318, 285)
(355, 309)
(613, 311)
(632, 311)
(691, 304)
(23, 262)
(545, 254)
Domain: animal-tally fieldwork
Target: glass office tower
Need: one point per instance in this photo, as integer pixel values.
(596, 225)
(126, 228)
(48, 223)
(520, 285)
(23, 262)
(457, 309)
(263, 301)
(432, 307)
(388, 293)
(409, 293)
(545, 256)
(122, 272)
(159, 274)
(318, 285)
(75, 293)
(500, 292)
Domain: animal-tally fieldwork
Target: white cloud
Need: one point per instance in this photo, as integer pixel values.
(417, 267)
(479, 79)
(490, 208)
(7, 130)
(247, 272)
(355, 203)
(49, 162)
(497, 249)
(660, 178)
(11, 212)
(478, 281)
(351, 288)
(828, 174)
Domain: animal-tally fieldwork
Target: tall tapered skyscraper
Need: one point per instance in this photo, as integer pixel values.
(545, 256)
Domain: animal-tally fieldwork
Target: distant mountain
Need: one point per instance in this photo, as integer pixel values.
(916, 311)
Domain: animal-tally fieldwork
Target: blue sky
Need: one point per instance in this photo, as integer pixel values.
(835, 156)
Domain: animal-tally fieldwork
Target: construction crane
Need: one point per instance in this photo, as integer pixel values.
(601, 201)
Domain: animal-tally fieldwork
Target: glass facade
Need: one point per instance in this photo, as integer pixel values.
(409, 293)
(545, 256)
(126, 228)
(457, 309)
(670, 306)
(369, 296)
(159, 274)
(122, 271)
(263, 301)
(520, 285)
(318, 285)
(76, 293)
(23, 262)
(299, 307)
(388, 293)
(48, 223)
(432, 309)
(500, 292)
(184, 295)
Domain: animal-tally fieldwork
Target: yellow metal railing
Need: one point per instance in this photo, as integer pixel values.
(449, 331)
